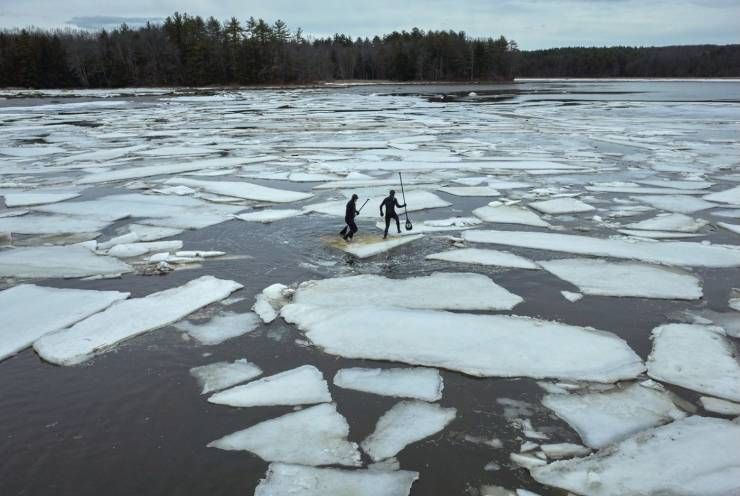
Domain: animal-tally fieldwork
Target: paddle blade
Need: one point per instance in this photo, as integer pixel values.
(409, 226)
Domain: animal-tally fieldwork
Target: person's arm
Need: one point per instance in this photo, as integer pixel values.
(399, 206)
(382, 204)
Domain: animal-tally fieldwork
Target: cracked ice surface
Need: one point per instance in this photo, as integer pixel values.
(100, 332)
(314, 436)
(696, 456)
(479, 345)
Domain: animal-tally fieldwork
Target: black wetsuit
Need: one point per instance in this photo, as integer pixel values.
(349, 217)
(390, 203)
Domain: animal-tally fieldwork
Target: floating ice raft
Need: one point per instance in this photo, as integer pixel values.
(220, 375)
(242, 189)
(57, 261)
(369, 246)
(418, 383)
(479, 256)
(478, 345)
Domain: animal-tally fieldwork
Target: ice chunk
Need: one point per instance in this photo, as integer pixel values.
(510, 214)
(300, 386)
(695, 456)
(562, 206)
(526, 460)
(369, 247)
(269, 215)
(36, 198)
(283, 480)
(469, 191)
(461, 292)
(270, 301)
(663, 252)
(479, 345)
(57, 261)
(695, 357)
(314, 436)
(730, 227)
(458, 222)
(30, 151)
(220, 375)
(124, 320)
(484, 257)
(676, 203)
(678, 184)
(670, 222)
(564, 450)
(657, 234)
(241, 189)
(722, 407)
(129, 250)
(311, 177)
(605, 418)
(415, 200)
(728, 196)
(222, 327)
(571, 296)
(599, 277)
(643, 190)
(158, 170)
(51, 224)
(418, 383)
(405, 423)
(28, 312)
(423, 228)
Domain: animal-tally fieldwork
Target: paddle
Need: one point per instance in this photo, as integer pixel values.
(409, 225)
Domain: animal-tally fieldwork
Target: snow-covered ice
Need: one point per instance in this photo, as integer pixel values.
(510, 214)
(561, 206)
(670, 222)
(716, 405)
(304, 385)
(269, 215)
(130, 250)
(469, 191)
(366, 248)
(269, 302)
(462, 291)
(283, 479)
(696, 456)
(126, 319)
(696, 357)
(480, 256)
(571, 296)
(57, 261)
(731, 196)
(313, 436)
(243, 189)
(676, 203)
(25, 199)
(663, 252)
(564, 450)
(405, 423)
(599, 277)
(222, 327)
(417, 383)
(605, 418)
(28, 312)
(157, 170)
(479, 345)
(221, 375)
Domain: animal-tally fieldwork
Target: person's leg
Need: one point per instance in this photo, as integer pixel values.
(352, 229)
(398, 223)
(387, 225)
(343, 232)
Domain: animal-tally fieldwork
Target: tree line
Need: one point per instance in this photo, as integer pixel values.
(189, 50)
(193, 51)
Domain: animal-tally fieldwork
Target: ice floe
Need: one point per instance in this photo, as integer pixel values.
(129, 318)
(480, 256)
(415, 200)
(242, 189)
(716, 405)
(509, 214)
(469, 191)
(28, 312)
(636, 233)
(369, 247)
(222, 327)
(417, 383)
(479, 345)
(51, 224)
(605, 418)
(695, 456)
(561, 206)
(696, 357)
(405, 423)
(571, 296)
(670, 222)
(599, 277)
(731, 196)
(564, 450)
(221, 375)
(129, 250)
(313, 436)
(269, 302)
(300, 386)
(462, 291)
(158, 170)
(269, 215)
(57, 261)
(29, 198)
(283, 479)
(663, 252)
(676, 203)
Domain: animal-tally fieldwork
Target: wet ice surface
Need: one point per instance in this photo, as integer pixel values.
(659, 162)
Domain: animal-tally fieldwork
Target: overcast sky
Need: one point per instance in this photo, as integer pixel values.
(532, 23)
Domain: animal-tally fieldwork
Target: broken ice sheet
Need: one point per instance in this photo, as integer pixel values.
(270, 300)
(269, 215)
(561, 206)
(416, 200)
(564, 450)
(676, 203)
(599, 277)
(716, 405)
(697, 357)
(57, 261)
(51, 224)
(509, 214)
(222, 327)
(366, 247)
(158, 170)
(418, 383)
(300, 386)
(670, 222)
(463, 291)
(24, 199)
(696, 456)
(242, 189)
(479, 256)
(24, 319)
(283, 479)
(314, 436)
(605, 418)
(129, 318)
(479, 345)
(220, 375)
(405, 423)
(130, 250)
(476, 191)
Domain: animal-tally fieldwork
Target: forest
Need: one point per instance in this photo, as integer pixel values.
(193, 51)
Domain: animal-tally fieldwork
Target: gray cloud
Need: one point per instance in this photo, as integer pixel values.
(108, 22)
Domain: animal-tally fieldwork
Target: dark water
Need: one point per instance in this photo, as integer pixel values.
(132, 422)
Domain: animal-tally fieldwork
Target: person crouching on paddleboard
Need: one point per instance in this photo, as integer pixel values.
(390, 203)
(349, 217)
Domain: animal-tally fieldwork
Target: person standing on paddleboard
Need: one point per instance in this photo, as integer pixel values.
(390, 203)
(349, 217)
